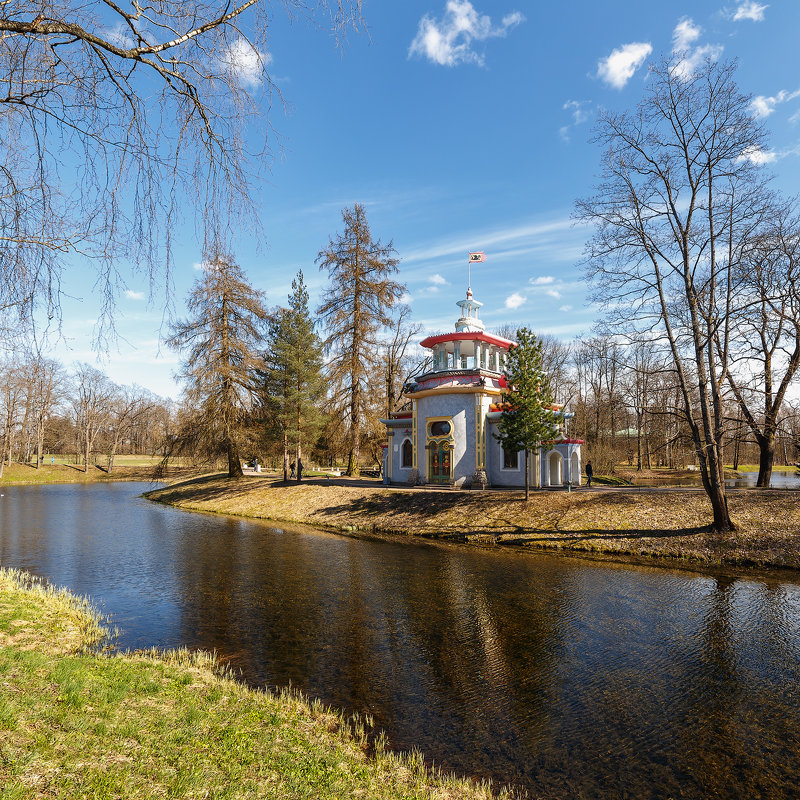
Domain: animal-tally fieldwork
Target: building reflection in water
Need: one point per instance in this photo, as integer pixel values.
(568, 677)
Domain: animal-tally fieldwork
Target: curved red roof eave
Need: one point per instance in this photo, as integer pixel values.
(470, 336)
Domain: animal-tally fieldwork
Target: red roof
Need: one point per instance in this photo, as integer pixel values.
(470, 336)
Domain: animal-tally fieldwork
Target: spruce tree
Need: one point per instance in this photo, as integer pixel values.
(293, 379)
(528, 418)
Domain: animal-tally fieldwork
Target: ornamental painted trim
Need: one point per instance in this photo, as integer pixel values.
(451, 380)
(468, 336)
(457, 390)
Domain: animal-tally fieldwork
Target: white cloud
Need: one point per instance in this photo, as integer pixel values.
(131, 295)
(750, 10)
(244, 62)
(763, 106)
(438, 280)
(449, 41)
(755, 155)
(405, 299)
(689, 57)
(565, 308)
(199, 266)
(553, 293)
(542, 280)
(120, 35)
(618, 68)
(515, 300)
(580, 113)
(685, 34)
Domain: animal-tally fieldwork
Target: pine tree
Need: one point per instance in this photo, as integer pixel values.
(355, 309)
(220, 340)
(293, 378)
(528, 419)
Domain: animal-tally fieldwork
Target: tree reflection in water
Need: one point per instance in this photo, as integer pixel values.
(568, 677)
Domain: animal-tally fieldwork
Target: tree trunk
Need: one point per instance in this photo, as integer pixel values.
(527, 476)
(39, 445)
(234, 462)
(766, 458)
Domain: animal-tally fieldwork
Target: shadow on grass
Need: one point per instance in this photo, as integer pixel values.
(575, 537)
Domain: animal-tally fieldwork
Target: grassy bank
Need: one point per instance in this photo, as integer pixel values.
(669, 524)
(78, 723)
(132, 470)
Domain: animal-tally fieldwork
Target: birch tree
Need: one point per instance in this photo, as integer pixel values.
(114, 118)
(679, 198)
(765, 350)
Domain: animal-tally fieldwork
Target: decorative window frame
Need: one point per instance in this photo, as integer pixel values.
(410, 465)
(504, 468)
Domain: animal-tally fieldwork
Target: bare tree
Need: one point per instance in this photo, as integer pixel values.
(12, 403)
(354, 310)
(92, 395)
(46, 382)
(395, 356)
(148, 103)
(679, 198)
(765, 341)
(129, 405)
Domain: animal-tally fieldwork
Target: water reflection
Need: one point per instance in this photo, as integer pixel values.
(570, 678)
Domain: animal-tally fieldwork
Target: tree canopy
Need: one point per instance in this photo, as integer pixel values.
(293, 385)
(115, 118)
(354, 309)
(680, 197)
(221, 356)
(528, 418)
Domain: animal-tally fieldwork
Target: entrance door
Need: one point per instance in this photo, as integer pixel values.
(440, 462)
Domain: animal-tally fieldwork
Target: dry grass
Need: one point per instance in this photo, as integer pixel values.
(662, 523)
(14, 474)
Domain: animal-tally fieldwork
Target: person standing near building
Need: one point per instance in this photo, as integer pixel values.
(589, 473)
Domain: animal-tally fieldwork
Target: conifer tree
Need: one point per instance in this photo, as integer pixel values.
(528, 418)
(355, 309)
(293, 378)
(220, 340)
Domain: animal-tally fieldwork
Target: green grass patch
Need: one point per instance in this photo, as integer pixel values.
(76, 722)
(754, 468)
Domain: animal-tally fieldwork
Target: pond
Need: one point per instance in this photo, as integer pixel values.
(570, 678)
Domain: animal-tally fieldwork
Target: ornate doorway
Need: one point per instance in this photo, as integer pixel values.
(440, 451)
(440, 462)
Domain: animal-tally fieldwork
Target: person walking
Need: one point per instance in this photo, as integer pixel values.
(589, 473)
(299, 470)
(291, 466)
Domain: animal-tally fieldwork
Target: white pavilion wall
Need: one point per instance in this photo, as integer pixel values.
(460, 410)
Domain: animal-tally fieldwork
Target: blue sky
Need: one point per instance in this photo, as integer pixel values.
(460, 126)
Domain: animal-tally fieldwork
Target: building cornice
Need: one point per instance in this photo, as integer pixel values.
(455, 390)
(470, 336)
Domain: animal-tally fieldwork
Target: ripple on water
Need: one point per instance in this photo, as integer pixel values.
(573, 679)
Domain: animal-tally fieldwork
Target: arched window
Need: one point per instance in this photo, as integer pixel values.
(406, 454)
